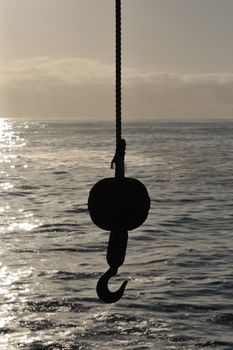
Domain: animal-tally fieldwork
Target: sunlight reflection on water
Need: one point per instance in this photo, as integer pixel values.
(11, 296)
(10, 141)
(11, 220)
(7, 135)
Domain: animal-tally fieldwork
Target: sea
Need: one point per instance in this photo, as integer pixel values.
(179, 263)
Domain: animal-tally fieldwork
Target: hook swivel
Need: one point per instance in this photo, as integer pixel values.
(102, 287)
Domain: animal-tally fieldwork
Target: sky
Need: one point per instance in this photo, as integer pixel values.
(57, 59)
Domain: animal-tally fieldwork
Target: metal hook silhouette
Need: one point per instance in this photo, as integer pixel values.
(102, 287)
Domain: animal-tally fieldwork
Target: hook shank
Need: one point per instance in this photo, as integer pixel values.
(117, 245)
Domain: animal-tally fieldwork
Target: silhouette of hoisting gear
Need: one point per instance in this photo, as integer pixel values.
(117, 204)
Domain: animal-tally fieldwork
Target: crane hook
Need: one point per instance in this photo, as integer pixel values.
(102, 287)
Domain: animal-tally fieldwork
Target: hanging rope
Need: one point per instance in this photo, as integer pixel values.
(118, 159)
(118, 71)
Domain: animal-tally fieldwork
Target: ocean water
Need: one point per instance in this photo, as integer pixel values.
(179, 264)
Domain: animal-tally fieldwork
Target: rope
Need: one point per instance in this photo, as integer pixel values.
(118, 159)
(118, 71)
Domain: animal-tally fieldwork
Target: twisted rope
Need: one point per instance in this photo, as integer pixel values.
(118, 159)
(118, 71)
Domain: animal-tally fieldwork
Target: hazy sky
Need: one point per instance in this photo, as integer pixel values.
(57, 58)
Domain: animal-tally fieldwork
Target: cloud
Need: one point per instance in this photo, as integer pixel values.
(182, 96)
(67, 70)
(55, 87)
(71, 87)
